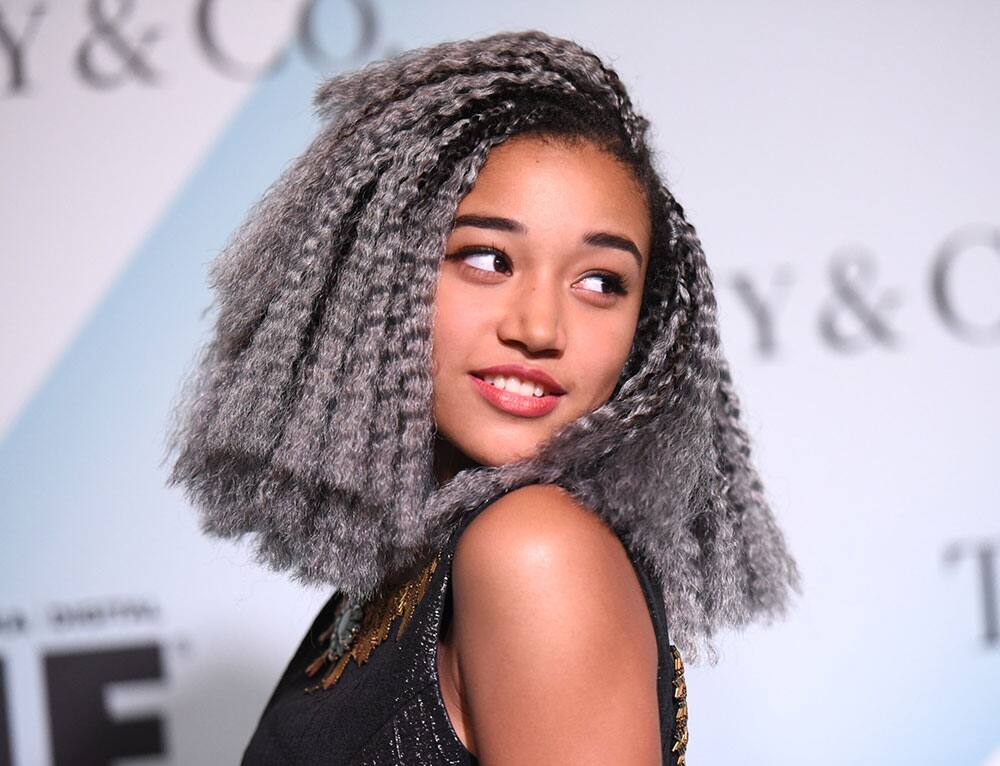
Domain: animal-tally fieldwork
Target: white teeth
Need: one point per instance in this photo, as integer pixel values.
(512, 384)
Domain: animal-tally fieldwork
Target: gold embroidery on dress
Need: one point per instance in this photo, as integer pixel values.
(680, 696)
(379, 616)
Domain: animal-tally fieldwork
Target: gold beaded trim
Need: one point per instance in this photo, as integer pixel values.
(379, 616)
(680, 696)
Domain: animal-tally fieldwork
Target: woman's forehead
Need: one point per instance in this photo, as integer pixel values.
(546, 186)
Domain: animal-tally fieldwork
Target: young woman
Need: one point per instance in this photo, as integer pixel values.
(466, 373)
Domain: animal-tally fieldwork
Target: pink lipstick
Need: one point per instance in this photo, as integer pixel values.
(514, 403)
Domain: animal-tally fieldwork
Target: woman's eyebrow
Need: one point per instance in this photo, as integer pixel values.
(603, 239)
(594, 238)
(489, 222)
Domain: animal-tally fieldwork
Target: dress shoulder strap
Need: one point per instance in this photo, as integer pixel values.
(670, 683)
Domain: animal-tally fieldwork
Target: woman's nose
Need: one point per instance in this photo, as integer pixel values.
(534, 317)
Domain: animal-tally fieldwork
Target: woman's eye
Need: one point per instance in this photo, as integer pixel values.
(483, 259)
(491, 259)
(606, 283)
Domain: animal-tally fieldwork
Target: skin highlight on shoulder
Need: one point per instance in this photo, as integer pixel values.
(551, 655)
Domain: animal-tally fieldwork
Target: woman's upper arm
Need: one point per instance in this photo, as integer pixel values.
(555, 647)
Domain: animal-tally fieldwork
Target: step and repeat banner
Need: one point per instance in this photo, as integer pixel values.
(841, 163)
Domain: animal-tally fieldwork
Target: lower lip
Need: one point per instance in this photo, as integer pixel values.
(515, 404)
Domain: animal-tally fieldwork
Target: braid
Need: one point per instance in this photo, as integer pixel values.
(307, 420)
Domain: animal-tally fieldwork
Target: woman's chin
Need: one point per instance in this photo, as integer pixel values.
(506, 455)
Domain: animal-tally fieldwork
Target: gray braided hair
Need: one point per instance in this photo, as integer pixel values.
(306, 420)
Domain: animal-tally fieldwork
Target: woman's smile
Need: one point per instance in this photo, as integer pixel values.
(522, 398)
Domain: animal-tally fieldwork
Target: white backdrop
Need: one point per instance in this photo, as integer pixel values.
(840, 162)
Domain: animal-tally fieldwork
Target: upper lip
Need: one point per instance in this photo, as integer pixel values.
(522, 372)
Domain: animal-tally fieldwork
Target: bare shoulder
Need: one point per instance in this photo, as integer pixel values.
(554, 643)
(541, 531)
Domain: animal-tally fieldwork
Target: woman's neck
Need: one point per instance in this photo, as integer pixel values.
(449, 460)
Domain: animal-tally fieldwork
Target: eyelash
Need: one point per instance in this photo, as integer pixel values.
(618, 283)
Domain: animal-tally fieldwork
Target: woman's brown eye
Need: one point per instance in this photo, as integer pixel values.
(483, 259)
(612, 283)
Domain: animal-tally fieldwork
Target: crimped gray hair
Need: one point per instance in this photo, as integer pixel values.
(307, 418)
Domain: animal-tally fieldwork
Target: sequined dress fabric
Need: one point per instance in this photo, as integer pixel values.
(387, 708)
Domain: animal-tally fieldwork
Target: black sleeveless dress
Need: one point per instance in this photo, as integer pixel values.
(380, 703)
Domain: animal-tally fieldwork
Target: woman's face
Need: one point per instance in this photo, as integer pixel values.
(541, 286)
